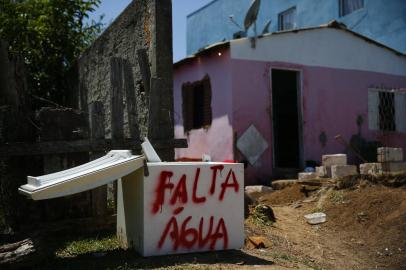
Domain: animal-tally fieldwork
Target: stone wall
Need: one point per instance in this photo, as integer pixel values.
(144, 24)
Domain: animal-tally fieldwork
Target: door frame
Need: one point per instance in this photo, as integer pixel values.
(299, 91)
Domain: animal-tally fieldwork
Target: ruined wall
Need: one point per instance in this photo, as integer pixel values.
(144, 24)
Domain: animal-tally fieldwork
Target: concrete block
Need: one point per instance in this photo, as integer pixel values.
(340, 171)
(323, 171)
(337, 159)
(307, 175)
(390, 154)
(370, 168)
(394, 167)
(281, 184)
(258, 189)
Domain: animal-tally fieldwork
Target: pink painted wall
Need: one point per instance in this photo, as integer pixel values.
(217, 140)
(332, 99)
(251, 106)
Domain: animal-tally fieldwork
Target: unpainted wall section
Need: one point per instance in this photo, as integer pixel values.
(216, 140)
(144, 24)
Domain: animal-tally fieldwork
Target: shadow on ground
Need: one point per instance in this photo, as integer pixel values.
(131, 260)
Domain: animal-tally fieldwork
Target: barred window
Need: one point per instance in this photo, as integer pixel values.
(196, 104)
(387, 110)
(349, 6)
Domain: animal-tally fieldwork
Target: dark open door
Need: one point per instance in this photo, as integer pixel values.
(286, 119)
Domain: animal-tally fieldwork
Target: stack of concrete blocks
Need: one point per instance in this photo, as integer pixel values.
(390, 160)
(336, 167)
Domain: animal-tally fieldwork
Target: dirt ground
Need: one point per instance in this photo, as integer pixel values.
(365, 229)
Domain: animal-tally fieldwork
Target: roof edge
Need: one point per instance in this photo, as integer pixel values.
(332, 24)
(205, 51)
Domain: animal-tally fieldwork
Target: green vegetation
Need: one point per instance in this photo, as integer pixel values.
(337, 196)
(260, 215)
(88, 245)
(294, 259)
(49, 35)
(318, 209)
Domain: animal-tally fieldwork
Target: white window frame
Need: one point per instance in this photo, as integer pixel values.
(281, 16)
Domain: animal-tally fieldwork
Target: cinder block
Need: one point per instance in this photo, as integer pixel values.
(389, 154)
(257, 189)
(394, 167)
(370, 168)
(330, 160)
(307, 175)
(340, 171)
(281, 184)
(323, 171)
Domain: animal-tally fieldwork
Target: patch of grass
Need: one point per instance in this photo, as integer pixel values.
(287, 257)
(260, 216)
(312, 265)
(348, 182)
(337, 197)
(318, 209)
(88, 245)
(294, 259)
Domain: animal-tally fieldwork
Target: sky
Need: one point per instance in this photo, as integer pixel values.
(180, 9)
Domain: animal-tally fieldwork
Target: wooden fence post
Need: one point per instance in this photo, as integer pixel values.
(117, 110)
(99, 195)
(59, 125)
(131, 101)
(143, 63)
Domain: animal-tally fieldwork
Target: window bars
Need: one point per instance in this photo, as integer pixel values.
(387, 112)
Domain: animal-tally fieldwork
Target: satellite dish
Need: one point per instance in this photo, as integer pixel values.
(252, 14)
(266, 27)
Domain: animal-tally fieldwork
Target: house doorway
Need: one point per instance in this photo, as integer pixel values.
(286, 121)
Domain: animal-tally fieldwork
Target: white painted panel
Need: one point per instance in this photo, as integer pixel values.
(400, 110)
(324, 47)
(373, 109)
(99, 172)
(167, 231)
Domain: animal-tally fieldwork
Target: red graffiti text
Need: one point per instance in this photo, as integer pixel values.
(178, 193)
(183, 236)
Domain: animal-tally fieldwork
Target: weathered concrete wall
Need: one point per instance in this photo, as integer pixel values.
(144, 24)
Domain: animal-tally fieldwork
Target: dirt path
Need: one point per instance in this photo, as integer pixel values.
(365, 228)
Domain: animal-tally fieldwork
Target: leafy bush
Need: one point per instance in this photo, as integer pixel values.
(49, 35)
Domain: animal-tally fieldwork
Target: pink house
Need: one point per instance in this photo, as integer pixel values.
(278, 102)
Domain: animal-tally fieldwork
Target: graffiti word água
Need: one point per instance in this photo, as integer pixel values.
(188, 237)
